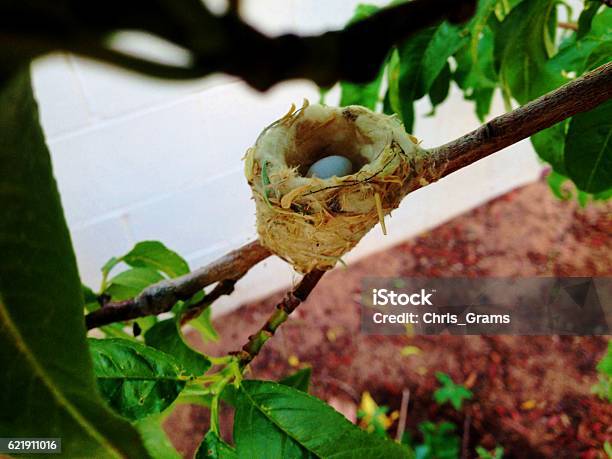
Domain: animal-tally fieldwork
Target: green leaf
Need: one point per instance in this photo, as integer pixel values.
(166, 337)
(365, 94)
(605, 365)
(521, 51)
(439, 441)
(155, 439)
(601, 54)
(203, 322)
(555, 182)
(588, 149)
(393, 97)
(47, 387)
(421, 59)
(476, 75)
(451, 392)
(498, 453)
(136, 380)
(549, 144)
(300, 380)
(155, 255)
(586, 17)
(213, 447)
(440, 88)
(130, 283)
(277, 421)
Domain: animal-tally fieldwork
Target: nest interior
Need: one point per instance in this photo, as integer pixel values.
(312, 222)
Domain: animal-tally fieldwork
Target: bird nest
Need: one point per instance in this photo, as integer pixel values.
(312, 222)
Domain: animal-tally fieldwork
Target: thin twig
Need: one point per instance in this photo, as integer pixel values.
(162, 296)
(224, 287)
(283, 309)
(403, 417)
(465, 441)
(567, 25)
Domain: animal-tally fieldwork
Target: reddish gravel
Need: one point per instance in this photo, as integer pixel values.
(531, 394)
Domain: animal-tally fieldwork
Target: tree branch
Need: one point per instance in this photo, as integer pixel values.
(224, 287)
(580, 95)
(283, 309)
(217, 43)
(160, 297)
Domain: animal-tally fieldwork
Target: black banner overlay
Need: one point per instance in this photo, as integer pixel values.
(487, 306)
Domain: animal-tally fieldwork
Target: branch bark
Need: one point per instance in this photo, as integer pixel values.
(283, 309)
(580, 95)
(216, 43)
(160, 297)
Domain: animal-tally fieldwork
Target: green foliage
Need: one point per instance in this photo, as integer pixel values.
(213, 447)
(155, 439)
(47, 386)
(439, 441)
(277, 421)
(603, 388)
(521, 51)
(203, 322)
(155, 255)
(588, 149)
(136, 380)
(166, 337)
(421, 59)
(513, 46)
(497, 453)
(451, 392)
(299, 380)
(130, 283)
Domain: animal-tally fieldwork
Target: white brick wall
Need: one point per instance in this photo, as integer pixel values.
(137, 158)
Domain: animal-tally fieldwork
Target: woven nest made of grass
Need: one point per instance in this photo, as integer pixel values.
(312, 222)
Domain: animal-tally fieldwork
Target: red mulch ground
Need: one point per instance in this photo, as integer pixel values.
(525, 232)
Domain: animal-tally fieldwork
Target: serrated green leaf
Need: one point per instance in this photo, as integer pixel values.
(421, 59)
(299, 380)
(166, 337)
(276, 421)
(213, 447)
(588, 149)
(131, 282)
(135, 380)
(440, 88)
(155, 255)
(47, 387)
(477, 76)
(155, 439)
(521, 53)
(549, 144)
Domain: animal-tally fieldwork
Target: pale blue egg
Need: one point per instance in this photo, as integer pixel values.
(330, 166)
